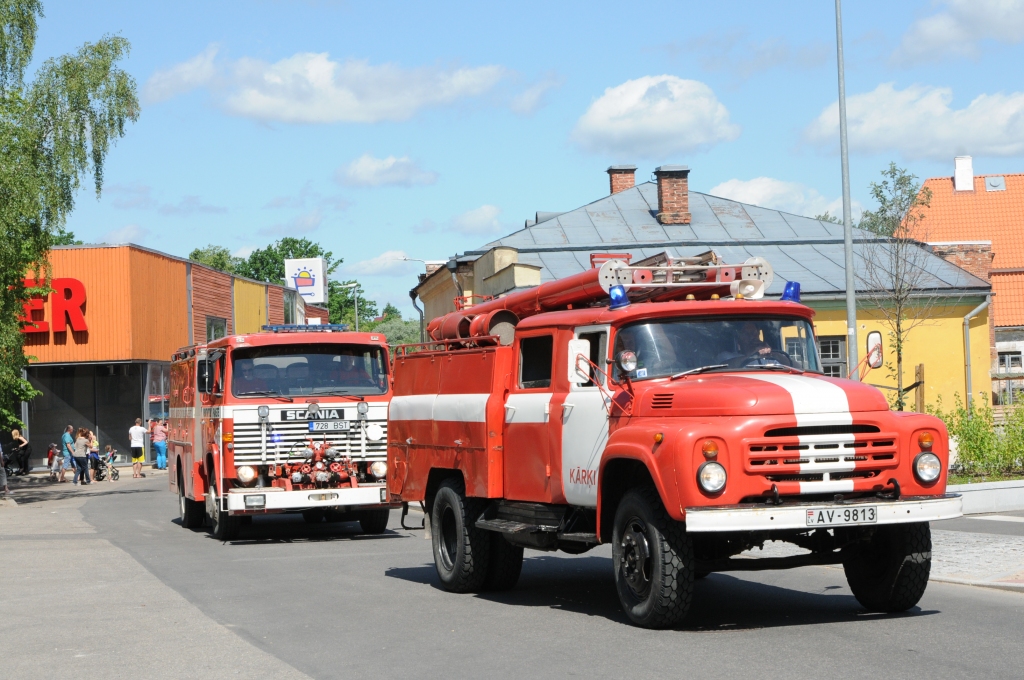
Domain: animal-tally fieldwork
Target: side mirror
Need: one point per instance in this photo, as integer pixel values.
(204, 376)
(875, 358)
(579, 368)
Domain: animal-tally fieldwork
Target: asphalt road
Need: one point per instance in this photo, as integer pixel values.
(330, 603)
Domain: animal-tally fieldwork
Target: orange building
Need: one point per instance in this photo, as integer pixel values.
(100, 344)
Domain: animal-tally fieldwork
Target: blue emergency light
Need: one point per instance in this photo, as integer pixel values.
(618, 295)
(791, 293)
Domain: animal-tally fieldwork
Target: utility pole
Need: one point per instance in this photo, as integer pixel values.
(851, 284)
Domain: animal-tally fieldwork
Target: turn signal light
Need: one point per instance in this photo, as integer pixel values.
(925, 440)
(659, 438)
(710, 449)
(228, 437)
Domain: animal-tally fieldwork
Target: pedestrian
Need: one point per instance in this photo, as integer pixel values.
(137, 437)
(21, 452)
(67, 452)
(94, 455)
(158, 433)
(82, 456)
(3, 480)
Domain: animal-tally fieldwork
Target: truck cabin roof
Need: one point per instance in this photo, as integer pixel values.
(653, 310)
(285, 339)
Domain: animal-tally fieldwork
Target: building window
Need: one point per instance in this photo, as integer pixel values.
(832, 349)
(289, 306)
(1010, 361)
(215, 328)
(535, 362)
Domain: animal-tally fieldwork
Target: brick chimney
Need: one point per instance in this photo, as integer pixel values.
(673, 194)
(621, 177)
(973, 256)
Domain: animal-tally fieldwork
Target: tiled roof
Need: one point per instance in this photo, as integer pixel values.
(799, 248)
(978, 215)
(1008, 301)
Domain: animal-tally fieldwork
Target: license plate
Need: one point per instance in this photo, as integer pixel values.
(836, 517)
(329, 425)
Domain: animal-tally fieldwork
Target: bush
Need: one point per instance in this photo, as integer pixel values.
(983, 449)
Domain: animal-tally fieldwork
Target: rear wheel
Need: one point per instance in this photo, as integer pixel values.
(374, 521)
(505, 563)
(223, 526)
(190, 511)
(313, 515)
(652, 559)
(461, 551)
(889, 572)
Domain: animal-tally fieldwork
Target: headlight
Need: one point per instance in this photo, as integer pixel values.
(927, 467)
(363, 408)
(263, 411)
(246, 474)
(711, 477)
(379, 469)
(374, 432)
(627, 361)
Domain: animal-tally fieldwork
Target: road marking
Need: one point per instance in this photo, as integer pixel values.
(997, 518)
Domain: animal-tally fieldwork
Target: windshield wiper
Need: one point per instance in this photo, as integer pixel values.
(699, 369)
(264, 393)
(773, 367)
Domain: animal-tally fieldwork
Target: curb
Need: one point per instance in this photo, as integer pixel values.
(987, 497)
(993, 585)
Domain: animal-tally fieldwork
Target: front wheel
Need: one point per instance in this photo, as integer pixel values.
(889, 572)
(374, 521)
(191, 512)
(223, 526)
(461, 550)
(652, 559)
(313, 515)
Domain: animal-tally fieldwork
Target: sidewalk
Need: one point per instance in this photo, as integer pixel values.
(37, 486)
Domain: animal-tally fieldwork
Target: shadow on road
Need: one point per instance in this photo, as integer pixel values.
(274, 529)
(721, 602)
(50, 491)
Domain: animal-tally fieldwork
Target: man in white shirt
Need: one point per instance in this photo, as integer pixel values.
(137, 435)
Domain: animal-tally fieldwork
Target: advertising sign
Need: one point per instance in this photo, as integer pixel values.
(306, 276)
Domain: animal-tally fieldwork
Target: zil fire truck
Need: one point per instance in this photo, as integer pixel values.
(667, 408)
(289, 420)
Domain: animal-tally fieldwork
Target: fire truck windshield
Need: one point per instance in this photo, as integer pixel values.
(668, 347)
(296, 370)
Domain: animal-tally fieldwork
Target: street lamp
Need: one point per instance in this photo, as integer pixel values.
(355, 291)
(851, 286)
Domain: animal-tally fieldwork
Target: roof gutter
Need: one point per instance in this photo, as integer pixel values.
(967, 345)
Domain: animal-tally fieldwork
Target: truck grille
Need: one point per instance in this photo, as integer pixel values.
(294, 438)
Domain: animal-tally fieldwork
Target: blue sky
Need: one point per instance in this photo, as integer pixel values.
(423, 129)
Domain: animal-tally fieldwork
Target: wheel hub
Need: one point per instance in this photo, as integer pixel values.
(636, 557)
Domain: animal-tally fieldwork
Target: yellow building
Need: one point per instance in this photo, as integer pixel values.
(639, 221)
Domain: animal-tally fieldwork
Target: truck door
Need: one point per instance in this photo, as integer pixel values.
(584, 430)
(528, 439)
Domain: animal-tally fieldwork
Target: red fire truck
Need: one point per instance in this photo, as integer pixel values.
(666, 408)
(289, 420)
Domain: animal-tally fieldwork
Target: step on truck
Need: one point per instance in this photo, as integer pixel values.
(290, 420)
(667, 408)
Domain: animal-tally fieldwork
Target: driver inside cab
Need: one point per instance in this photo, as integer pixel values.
(748, 343)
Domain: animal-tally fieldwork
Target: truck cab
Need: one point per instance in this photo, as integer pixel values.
(681, 431)
(293, 419)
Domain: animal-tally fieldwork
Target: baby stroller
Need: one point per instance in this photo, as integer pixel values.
(106, 468)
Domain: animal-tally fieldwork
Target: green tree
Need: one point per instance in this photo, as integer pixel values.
(895, 275)
(341, 305)
(267, 264)
(828, 217)
(398, 331)
(217, 257)
(55, 131)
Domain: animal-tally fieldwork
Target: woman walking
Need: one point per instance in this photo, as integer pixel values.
(94, 455)
(21, 452)
(81, 456)
(158, 435)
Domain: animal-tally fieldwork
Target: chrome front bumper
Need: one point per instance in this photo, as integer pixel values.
(751, 517)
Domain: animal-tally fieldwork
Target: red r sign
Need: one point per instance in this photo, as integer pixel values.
(67, 305)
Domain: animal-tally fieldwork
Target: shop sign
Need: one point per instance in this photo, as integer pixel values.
(67, 307)
(306, 276)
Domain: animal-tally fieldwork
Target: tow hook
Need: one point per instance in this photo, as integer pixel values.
(774, 498)
(894, 494)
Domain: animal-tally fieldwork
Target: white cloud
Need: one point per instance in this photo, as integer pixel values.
(735, 53)
(390, 263)
(790, 197)
(532, 98)
(303, 224)
(308, 196)
(959, 27)
(131, 233)
(919, 123)
(243, 252)
(131, 196)
(190, 205)
(367, 171)
(198, 71)
(655, 117)
(479, 221)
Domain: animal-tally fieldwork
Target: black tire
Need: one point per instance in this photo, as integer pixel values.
(190, 511)
(223, 526)
(504, 564)
(461, 551)
(374, 521)
(889, 572)
(652, 559)
(114, 474)
(313, 515)
(333, 516)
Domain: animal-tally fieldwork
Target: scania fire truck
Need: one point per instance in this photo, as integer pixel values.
(668, 408)
(293, 419)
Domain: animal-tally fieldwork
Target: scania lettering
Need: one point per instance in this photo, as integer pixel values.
(668, 408)
(293, 419)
